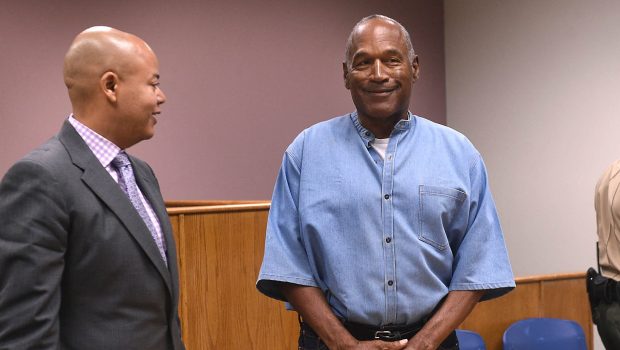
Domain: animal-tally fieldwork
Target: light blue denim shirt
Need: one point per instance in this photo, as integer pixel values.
(385, 240)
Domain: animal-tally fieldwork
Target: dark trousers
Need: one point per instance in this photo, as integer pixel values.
(309, 340)
(607, 319)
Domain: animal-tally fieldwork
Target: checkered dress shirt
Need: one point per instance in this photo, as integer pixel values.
(104, 150)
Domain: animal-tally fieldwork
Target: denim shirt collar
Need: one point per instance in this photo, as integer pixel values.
(368, 137)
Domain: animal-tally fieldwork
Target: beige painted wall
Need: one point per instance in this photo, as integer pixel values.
(535, 85)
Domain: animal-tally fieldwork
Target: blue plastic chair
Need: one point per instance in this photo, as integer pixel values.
(544, 334)
(469, 340)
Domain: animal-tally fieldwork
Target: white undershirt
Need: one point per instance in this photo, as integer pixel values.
(380, 145)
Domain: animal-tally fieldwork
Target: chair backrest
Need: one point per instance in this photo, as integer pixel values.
(469, 340)
(544, 334)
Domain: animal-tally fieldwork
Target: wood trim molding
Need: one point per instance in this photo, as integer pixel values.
(219, 208)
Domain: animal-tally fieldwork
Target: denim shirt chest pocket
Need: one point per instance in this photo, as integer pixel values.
(438, 208)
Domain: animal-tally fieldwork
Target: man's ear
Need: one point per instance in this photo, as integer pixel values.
(415, 66)
(109, 84)
(345, 75)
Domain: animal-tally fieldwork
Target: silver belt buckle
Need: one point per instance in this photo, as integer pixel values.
(384, 335)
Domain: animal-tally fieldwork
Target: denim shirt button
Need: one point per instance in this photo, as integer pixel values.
(390, 282)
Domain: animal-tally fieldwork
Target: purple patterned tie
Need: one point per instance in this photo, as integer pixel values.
(127, 181)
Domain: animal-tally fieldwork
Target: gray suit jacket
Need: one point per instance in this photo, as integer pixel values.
(78, 266)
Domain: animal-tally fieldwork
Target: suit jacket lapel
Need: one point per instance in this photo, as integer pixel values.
(150, 189)
(102, 184)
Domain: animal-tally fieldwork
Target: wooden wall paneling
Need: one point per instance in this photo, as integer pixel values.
(178, 231)
(564, 299)
(557, 296)
(222, 255)
(201, 270)
(276, 327)
(491, 318)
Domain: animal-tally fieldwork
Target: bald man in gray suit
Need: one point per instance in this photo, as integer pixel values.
(87, 256)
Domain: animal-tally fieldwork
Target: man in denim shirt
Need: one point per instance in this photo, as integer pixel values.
(383, 233)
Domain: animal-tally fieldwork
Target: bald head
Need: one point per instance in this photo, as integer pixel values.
(113, 83)
(98, 50)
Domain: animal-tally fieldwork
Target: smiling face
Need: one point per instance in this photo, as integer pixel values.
(138, 100)
(113, 83)
(380, 75)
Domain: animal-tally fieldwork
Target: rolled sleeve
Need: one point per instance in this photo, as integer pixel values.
(481, 261)
(285, 258)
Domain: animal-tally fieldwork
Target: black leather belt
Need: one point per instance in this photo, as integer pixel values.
(394, 333)
(364, 332)
(387, 333)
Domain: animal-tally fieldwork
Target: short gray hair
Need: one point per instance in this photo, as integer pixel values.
(348, 53)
